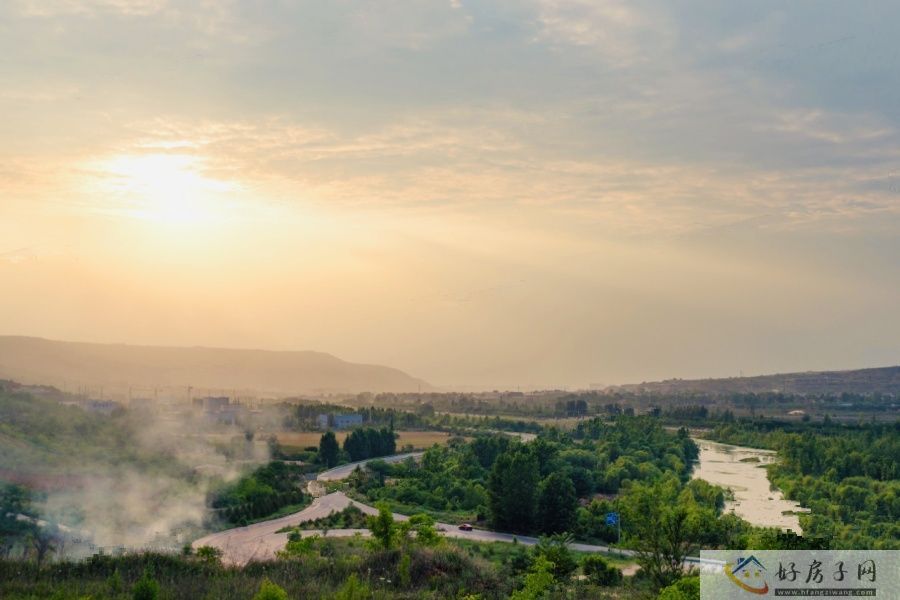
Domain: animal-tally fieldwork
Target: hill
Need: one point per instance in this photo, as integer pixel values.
(35, 360)
(882, 380)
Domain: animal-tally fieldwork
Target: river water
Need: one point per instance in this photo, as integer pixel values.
(742, 471)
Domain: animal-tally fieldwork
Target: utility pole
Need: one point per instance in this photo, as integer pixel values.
(619, 533)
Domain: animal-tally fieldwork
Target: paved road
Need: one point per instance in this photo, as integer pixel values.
(261, 541)
(342, 472)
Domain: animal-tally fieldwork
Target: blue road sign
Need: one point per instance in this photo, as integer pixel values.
(612, 518)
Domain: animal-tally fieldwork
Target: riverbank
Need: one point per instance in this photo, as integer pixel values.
(742, 470)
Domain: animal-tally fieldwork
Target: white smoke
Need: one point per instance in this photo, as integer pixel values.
(158, 501)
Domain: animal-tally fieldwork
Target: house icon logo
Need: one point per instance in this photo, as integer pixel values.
(748, 574)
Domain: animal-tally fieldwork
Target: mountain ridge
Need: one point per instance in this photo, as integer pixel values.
(40, 360)
(885, 380)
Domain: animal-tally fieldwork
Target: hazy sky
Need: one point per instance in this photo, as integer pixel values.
(487, 193)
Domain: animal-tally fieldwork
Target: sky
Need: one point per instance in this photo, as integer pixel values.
(529, 193)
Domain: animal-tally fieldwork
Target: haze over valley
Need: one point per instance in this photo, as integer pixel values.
(448, 299)
(118, 367)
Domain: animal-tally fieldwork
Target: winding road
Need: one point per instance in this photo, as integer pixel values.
(261, 541)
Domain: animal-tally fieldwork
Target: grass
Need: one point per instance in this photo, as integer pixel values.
(442, 516)
(282, 512)
(416, 439)
(443, 573)
(501, 553)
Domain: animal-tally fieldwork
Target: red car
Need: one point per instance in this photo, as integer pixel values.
(465, 527)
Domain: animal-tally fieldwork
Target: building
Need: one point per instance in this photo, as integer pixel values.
(104, 407)
(219, 409)
(345, 421)
(211, 403)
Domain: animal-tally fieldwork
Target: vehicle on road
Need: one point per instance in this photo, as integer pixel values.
(465, 527)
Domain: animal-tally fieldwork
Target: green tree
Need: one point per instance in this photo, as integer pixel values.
(146, 588)
(353, 590)
(538, 581)
(383, 527)
(297, 545)
(114, 582)
(600, 572)
(687, 588)
(403, 570)
(329, 450)
(557, 504)
(423, 526)
(659, 527)
(209, 554)
(270, 591)
(512, 490)
(555, 549)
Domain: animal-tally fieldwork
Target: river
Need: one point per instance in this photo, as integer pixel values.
(742, 471)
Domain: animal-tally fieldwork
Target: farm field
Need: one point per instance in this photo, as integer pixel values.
(416, 439)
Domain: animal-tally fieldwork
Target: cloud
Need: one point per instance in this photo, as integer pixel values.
(623, 33)
(57, 8)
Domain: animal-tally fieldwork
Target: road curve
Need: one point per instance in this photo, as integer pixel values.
(342, 472)
(261, 541)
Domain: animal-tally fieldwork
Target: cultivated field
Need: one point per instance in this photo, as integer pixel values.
(416, 439)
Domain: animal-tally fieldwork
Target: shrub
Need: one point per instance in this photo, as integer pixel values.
(146, 588)
(353, 590)
(270, 591)
(209, 554)
(599, 572)
(687, 588)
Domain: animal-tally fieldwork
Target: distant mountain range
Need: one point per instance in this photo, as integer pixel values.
(72, 364)
(884, 380)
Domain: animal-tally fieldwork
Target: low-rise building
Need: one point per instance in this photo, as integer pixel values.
(343, 421)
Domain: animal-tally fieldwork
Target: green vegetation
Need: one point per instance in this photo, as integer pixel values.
(687, 588)
(847, 475)
(329, 450)
(368, 442)
(43, 441)
(146, 588)
(533, 487)
(325, 572)
(261, 493)
(349, 518)
(270, 591)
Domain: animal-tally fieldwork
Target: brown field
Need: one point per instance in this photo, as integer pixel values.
(417, 439)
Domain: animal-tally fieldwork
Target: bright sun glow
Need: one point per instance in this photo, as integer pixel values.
(166, 188)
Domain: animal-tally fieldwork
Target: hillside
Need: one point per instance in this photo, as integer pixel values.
(883, 380)
(35, 360)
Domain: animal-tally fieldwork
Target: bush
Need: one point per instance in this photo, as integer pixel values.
(270, 591)
(146, 588)
(555, 549)
(353, 590)
(600, 572)
(209, 554)
(687, 588)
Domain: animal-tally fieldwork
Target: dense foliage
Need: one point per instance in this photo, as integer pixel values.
(261, 493)
(41, 439)
(533, 487)
(847, 475)
(368, 442)
(329, 450)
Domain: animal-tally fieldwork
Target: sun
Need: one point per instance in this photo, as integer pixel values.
(170, 189)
